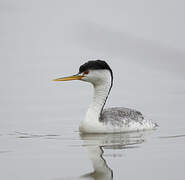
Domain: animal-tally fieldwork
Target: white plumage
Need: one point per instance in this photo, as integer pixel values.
(111, 120)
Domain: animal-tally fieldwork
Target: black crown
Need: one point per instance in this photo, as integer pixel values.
(94, 65)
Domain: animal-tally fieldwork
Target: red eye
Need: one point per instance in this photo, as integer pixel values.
(86, 72)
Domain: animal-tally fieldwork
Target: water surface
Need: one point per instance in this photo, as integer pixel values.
(42, 40)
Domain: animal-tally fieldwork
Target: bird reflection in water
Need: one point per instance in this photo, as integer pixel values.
(95, 143)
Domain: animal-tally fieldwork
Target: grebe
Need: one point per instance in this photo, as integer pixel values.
(98, 119)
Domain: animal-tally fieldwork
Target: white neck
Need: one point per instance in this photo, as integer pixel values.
(102, 88)
(101, 92)
(99, 99)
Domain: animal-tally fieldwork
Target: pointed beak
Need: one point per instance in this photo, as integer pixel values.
(70, 78)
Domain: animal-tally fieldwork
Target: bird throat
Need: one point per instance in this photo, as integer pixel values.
(101, 92)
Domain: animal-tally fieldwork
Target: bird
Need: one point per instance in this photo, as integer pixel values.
(109, 120)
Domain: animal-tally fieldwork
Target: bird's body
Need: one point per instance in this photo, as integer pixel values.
(111, 120)
(117, 120)
(127, 119)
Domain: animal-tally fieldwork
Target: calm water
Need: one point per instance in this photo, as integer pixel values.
(40, 139)
(39, 119)
(67, 155)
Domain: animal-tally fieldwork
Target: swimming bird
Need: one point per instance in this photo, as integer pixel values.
(110, 120)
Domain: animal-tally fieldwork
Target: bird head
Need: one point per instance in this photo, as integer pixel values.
(95, 72)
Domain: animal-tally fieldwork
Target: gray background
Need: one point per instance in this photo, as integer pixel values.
(143, 41)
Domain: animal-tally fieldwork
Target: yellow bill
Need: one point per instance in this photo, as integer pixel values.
(69, 78)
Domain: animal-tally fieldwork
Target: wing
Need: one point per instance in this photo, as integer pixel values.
(119, 116)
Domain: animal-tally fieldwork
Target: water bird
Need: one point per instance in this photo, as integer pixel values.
(110, 120)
